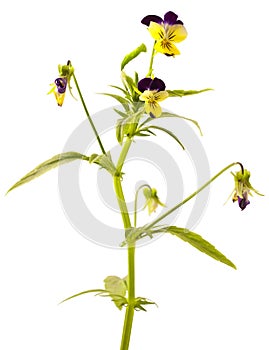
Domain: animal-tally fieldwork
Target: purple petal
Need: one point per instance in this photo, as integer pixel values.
(151, 18)
(243, 202)
(157, 84)
(61, 85)
(179, 22)
(144, 84)
(170, 18)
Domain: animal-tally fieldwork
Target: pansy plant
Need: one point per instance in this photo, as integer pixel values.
(139, 110)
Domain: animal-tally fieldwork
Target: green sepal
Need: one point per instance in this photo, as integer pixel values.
(140, 302)
(130, 56)
(105, 162)
(181, 93)
(49, 164)
(117, 288)
(199, 243)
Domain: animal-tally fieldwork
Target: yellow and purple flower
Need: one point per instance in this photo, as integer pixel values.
(60, 88)
(166, 32)
(62, 82)
(243, 188)
(153, 92)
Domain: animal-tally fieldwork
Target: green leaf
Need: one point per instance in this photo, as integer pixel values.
(49, 164)
(133, 54)
(123, 101)
(98, 291)
(167, 132)
(122, 114)
(119, 130)
(172, 115)
(199, 243)
(181, 93)
(117, 289)
(105, 162)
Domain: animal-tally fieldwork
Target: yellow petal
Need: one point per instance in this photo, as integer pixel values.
(176, 33)
(167, 47)
(161, 95)
(59, 98)
(153, 108)
(156, 31)
(146, 95)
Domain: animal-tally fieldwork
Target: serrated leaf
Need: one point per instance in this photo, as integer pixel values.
(199, 243)
(49, 164)
(123, 101)
(181, 93)
(170, 133)
(130, 56)
(117, 288)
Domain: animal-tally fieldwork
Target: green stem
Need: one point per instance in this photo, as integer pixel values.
(88, 115)
(170, 211)
(129, 314)
(151, 61)
(135, 202)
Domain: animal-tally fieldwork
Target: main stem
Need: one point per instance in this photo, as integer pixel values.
(129, 314)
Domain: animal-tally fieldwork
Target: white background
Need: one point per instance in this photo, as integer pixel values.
(202, 303)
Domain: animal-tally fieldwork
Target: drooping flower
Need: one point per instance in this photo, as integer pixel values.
(166, 32)
(152, 199)
(243, 188)
(60, 84)
(153, 92)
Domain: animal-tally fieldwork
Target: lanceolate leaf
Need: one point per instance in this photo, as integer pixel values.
(167, 132)
(123, 101)
(199, 243)
(98, 291)
(172, 115)
(49, 164)
(181, 93)
(132, 55)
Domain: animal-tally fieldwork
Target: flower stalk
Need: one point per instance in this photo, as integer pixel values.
(170, 211)
(88, 114)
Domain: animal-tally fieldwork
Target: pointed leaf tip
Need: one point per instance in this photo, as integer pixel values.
(49, 164)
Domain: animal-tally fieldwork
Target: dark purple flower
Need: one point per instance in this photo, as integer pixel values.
(169, 18)
(61, 84)
(151, 84)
